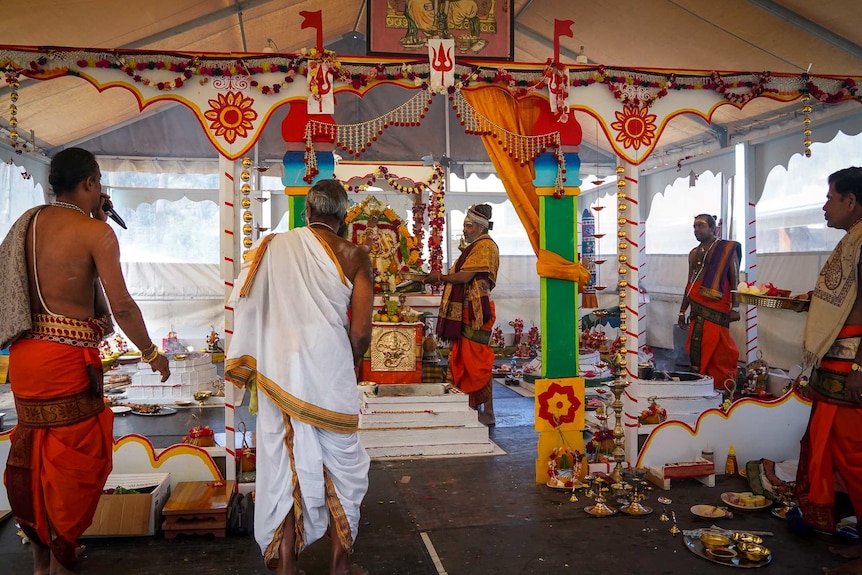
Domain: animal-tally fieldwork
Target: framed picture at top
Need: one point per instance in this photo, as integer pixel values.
(482, 29)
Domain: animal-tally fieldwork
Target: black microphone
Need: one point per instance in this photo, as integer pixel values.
(109, 211)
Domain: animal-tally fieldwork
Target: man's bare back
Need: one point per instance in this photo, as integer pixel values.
(64, 261)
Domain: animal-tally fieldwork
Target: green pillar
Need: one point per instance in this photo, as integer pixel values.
(558, 233)
(558, 221)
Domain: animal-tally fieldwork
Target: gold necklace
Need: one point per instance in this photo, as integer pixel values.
(701, 264)
(69, 206)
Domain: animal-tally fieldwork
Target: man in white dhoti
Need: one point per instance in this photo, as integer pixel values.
(302, 322)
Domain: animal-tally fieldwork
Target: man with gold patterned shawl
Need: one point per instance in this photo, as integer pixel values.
(713, 271)
(831, 449)
(467, 314)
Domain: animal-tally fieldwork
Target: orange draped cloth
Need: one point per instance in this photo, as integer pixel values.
(832, 445)
(711, 348)
(61, 451)
(471, 362)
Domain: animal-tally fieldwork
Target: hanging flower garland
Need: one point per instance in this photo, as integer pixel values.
(522, 81)
(418, 211)
(847, 90)
(633, 91)
(754, 88)
(436, 221)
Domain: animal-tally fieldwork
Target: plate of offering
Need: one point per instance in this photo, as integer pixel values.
(140, 409)
(184, 403)
(719, 547)
(745, 500)
(121, 409)
(708, 511)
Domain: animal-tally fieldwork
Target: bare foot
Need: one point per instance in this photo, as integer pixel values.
(41, 559)
(848, 552)
(487, 419)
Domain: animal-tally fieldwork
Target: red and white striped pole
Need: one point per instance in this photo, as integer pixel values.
(230, 265)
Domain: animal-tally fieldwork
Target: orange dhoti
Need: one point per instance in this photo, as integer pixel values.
(832, 444)
(61, 451)
(711, 348)
(471, 359)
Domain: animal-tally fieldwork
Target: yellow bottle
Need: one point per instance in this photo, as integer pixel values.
(731, 467)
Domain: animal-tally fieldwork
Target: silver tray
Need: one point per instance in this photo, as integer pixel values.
(162, 411)
(695, 546)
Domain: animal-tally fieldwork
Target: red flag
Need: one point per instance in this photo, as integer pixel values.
(561, 28)
(314, 20)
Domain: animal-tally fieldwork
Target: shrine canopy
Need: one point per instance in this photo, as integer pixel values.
(781, 36)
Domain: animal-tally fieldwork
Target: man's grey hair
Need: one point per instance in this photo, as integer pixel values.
(327, 198)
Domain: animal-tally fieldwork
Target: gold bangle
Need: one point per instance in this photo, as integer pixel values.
(150, 358)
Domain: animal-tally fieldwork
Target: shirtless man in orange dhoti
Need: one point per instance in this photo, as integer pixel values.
(832, 446)
(54, 264)
(713, 271)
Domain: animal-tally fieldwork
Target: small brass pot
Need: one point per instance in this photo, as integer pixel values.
(714, 540)
(740, 537)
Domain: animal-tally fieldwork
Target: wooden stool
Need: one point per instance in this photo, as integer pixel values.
(197, 508)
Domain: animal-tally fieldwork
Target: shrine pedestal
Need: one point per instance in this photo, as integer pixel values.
(395, 354)
(417, 419)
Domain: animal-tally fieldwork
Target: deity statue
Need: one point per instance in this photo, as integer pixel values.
(392, 249)
(382, 251)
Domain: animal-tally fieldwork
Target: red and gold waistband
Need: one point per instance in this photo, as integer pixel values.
(67, 331)
(58, 411)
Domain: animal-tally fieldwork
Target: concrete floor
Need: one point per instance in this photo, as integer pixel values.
(470, 516)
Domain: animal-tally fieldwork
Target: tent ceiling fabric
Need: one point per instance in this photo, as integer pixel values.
(745, 35)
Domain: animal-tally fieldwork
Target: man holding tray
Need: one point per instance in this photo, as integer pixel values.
(831, 446)
(713, 271)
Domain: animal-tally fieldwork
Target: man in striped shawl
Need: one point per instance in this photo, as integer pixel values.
(467, 314)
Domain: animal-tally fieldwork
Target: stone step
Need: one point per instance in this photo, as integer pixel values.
(415, 404)
(431, 450)
(420, 437)
(378, 419)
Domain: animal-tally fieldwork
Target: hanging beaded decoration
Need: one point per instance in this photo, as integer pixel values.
(14, 84)
(806, 121)
(622, 235)
(245, 202)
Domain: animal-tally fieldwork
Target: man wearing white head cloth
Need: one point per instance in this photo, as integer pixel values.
(467, 314)
(302, 322)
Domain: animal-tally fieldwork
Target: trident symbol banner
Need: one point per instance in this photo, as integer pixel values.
(441, 54)
(320, 100)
